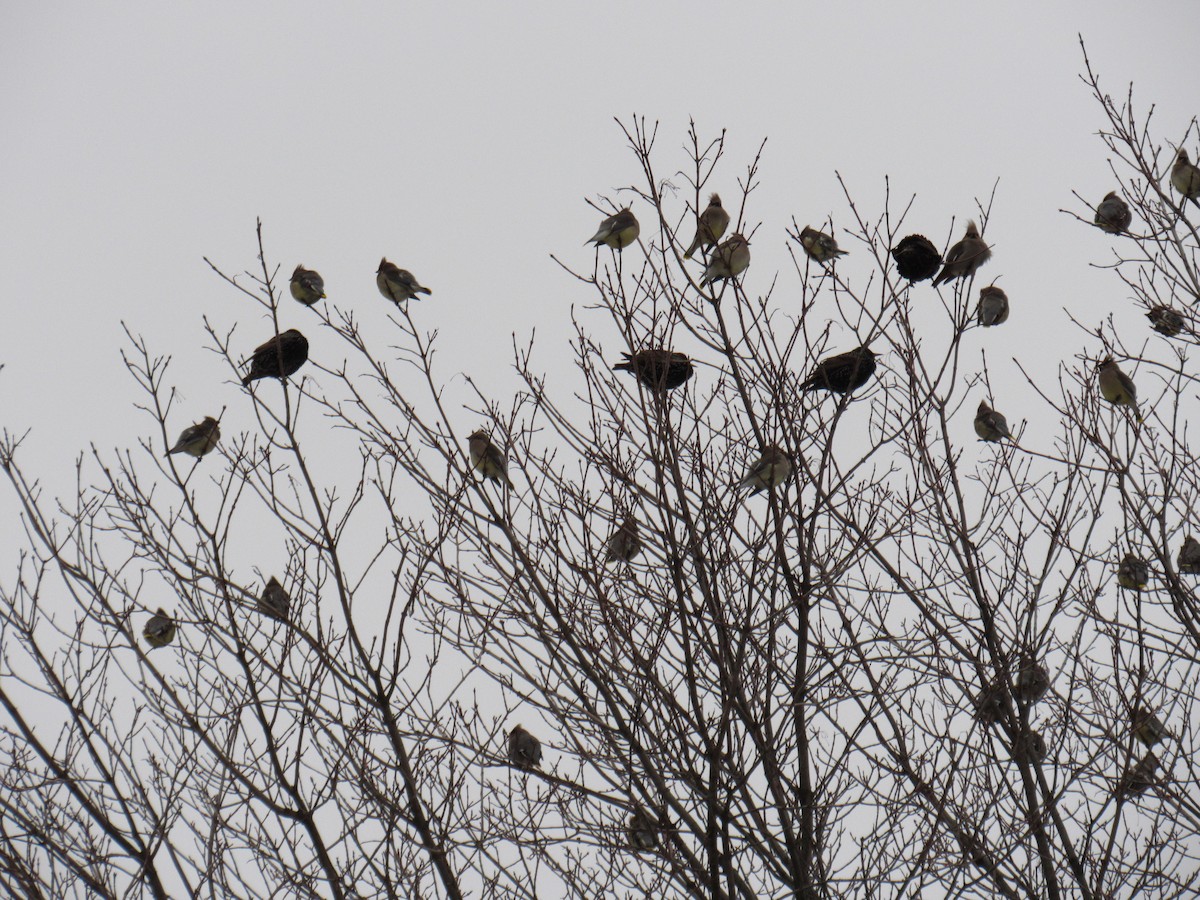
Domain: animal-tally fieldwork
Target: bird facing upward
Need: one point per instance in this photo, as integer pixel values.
(397, 284)
(965, 257)
(710, 226)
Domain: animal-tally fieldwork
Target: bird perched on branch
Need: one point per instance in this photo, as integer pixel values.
(729, 260)
(771, 469)
(1116, 387)
(990, 425)
(1189, 556)
(643, 830)
(993, 306)
(487, 459)
(916, 258)
(1113, 215)
(1147, 727)
(1133, 573)
(617, 231)
(274, 600)
(1165, 321)
(1029, 747)
(1185, 177)
(709, 227)
(279, 357)
(199, 439)
(307, 286)
(397, 284)
(1031, 681)
(989, 703)
(524, 750)
(842, 373)
(658, 369)
(624, 544)
(819, 245)
(160, 629)
(1138, 778)
(965, 257)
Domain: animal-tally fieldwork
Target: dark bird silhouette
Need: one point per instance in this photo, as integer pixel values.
(965, 257)
(274, 600)
(159, 630)
(993, 306)
(624, 543)
(658, 369)
(279, 357)
(917, 259)
(842, 373)
(1166, 321)
(1113, 215)
(524, 749)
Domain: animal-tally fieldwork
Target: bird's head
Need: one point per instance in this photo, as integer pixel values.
(972, 230)
(714, 200)
(383, 264)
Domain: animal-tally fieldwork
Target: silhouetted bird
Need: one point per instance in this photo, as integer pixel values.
(1147, 727)
(819, 245)
(1189, 556)
(842, 373)
(709, 227)
(274, 600)
(1165, 321)
(989, 703)
(198, 439)
(617, 231)
(993, 306)
(658, 369)
(159, 630)
(1113, 215)
(1116, 387)
(486, 457)
(1133, 573)
(989, 424)
(965, 257)
(771, 469)
(729, 260)
(524, 749)
(397, 284)
(279, 357)
(643, 830)
(1185, 177)
(1031, 681)
(624, 543)
(916, 258)
(307, 286)
(1029, 747)
(1139, 777)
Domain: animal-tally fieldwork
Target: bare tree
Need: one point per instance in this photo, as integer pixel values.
(771, 620)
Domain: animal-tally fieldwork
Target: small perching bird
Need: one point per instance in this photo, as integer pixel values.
(993, 306)
(1138, 778)
(1116, 387)
(916, 258)
(307, 286)
(279, 357)
(396, 284)
(989, 703)
(274, 600)
(487, 459)
(1031, 681)
(1113, 215)
(524, 750)
(1029, 747)
(1147, 727)
(643, 830)
(1165, 321)
(1189, 556)
(842, 373)
(772, 468)
(160, 629)
(820, 246)
(624, 544)
(1185, 177)
(1133, 573)
(710, 225)
(965, 257)
(729, 260)
(657, 368)
(989, 424)
(617, 231)
(199, 439)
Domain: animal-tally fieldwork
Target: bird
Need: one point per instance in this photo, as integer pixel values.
(307, 286)
(965, 257)
(1029, 747)
(160, 629)
(624, 544)
(279, 357)
(397, 284)
(1116, 387)
(487, 459)
(1147, 727)
(1031, 681)
(820, 246)
(1185, 177)
(989, 424)
(524, 750)
(916, 258)
(709, 227)
(1189, 556)
(842, 373)
(658, 369)
(617, 231)
(643, 830)
(274, 600)
(199, 439)
(729, 260)
(993, 306)
(1113, 215)
(1165, 321)
(1133, 573)
(989, 703)
(771, 469)
(1138, 778)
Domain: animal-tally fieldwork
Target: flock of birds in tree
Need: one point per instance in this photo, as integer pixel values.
(661, 370)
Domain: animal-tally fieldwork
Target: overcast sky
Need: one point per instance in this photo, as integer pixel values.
(460, 140)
